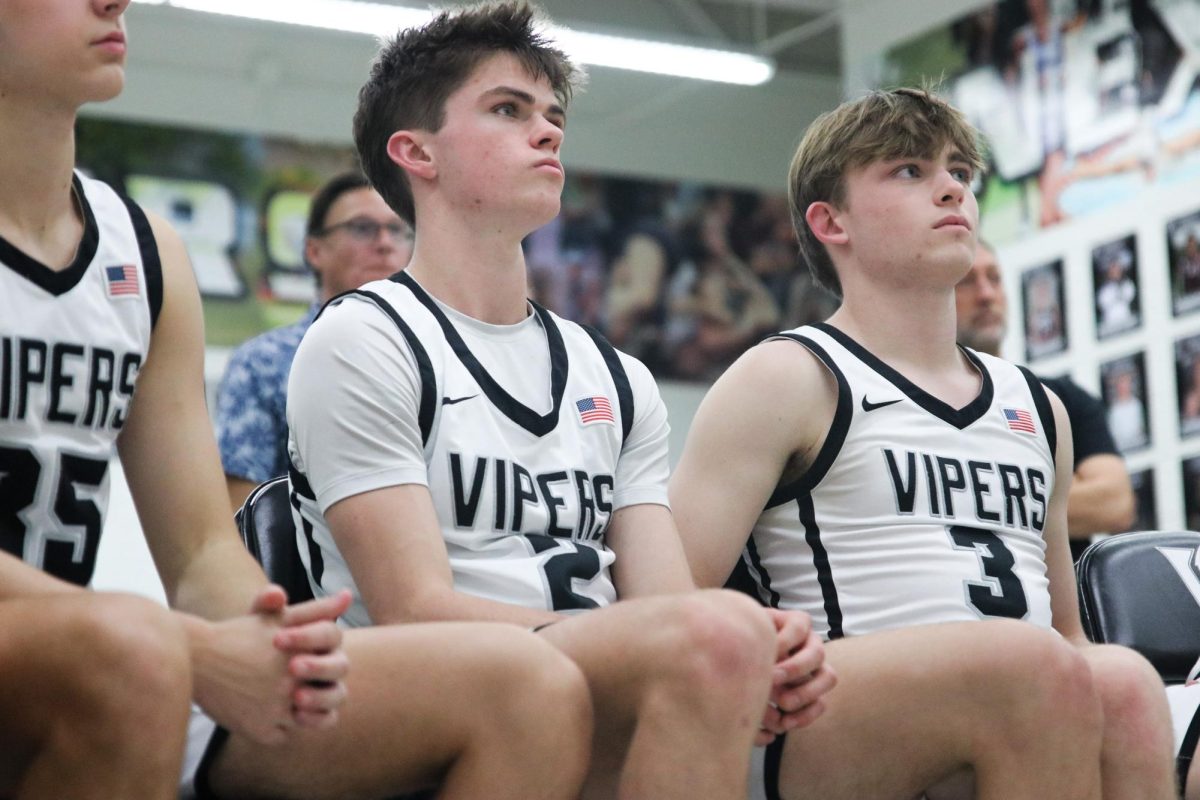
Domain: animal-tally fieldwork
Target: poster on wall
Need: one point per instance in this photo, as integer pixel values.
(1145, 516)
(1115, 276)
(1183, 255)
(1083, 103)
(1123, 389)
(1045, 310)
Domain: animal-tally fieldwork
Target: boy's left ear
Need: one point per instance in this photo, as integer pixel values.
(407, 151)
(823, 221)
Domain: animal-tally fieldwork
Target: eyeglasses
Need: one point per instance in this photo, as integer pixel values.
(367, 230)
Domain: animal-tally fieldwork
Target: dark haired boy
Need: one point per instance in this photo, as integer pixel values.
(461, 453)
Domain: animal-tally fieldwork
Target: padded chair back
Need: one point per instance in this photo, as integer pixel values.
(265, 522)
(1142, 590)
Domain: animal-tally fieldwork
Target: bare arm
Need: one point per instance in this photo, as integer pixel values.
(763, 417)
(650, 557)
(173, 468)
(1064, 598)
(18, 579)
(1101, 498)
(768, 411)
(241, 666)
(393, 544)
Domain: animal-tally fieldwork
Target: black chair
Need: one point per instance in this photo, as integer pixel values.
(265, 522)
(1142, 590)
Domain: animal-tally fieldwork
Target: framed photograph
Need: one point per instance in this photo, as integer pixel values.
(1115, 276)
(1045, 313)
(1146, 518)
(1187, 384)
(1191, 493)
(1183, 254)
(1123, 388)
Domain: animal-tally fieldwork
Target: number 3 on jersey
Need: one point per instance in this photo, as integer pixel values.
(69, 551)
(996, 562)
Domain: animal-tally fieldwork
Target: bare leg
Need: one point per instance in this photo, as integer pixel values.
(679, 685)
(916, 706)
(1137, 761)
(482, 710)
(94, 698)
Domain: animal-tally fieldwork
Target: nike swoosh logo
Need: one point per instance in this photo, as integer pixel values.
(869, 406)
(449, 401)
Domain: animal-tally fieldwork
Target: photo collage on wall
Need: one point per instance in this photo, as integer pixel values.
(1086, 107)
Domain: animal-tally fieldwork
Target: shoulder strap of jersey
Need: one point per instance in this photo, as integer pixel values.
(619, 376)
(428, 404)
(838, 429)
(151, 263)
(1042, 403)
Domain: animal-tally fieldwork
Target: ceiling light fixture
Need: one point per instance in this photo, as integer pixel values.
(619, 52)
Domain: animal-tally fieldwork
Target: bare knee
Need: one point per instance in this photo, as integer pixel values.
(137, 655)
(526, 676)
(717, 640)
(1133, 697)
(1035, 680)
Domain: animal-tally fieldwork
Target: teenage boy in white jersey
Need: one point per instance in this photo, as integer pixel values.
(460, 453)
(97, 300)
(895, 485)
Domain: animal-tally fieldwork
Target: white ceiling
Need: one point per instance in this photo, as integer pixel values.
(207, 71)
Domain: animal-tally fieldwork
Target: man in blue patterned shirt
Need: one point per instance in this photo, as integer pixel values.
(352, 237)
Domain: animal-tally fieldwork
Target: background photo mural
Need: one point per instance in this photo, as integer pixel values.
(684, 276)
(1090, 115)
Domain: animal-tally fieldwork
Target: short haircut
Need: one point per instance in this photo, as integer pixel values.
(420, 68)
(897, 123)
(327, 195)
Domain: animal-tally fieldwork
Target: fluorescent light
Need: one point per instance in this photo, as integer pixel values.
(663, 58)
(378, 19)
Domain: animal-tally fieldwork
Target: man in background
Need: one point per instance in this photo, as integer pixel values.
(352, 237)
(1101, 498)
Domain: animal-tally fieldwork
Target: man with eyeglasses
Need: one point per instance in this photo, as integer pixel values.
(352, 237)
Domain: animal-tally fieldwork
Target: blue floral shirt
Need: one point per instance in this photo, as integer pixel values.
(252, 401)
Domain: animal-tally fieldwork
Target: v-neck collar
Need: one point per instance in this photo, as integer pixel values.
(519, 413)
(57, 281)
(958, 417)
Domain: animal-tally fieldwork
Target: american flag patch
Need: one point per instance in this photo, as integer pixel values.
(1018, 419)
(595, 409)
(122, 281)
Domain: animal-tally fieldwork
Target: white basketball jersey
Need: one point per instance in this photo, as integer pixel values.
(523, 498)
(71, 344)
(913, 512)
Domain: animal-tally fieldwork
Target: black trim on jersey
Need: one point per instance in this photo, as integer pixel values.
(772, 758)
(758, 574)
(57, 282)
(1041, 401)
(834, 439)
(1183, 761)
(960, 418)
(200, 780)
(427, 406)
(619, 376)
(829, 595)
(301, 487)
(519, 414)
(151, 263)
